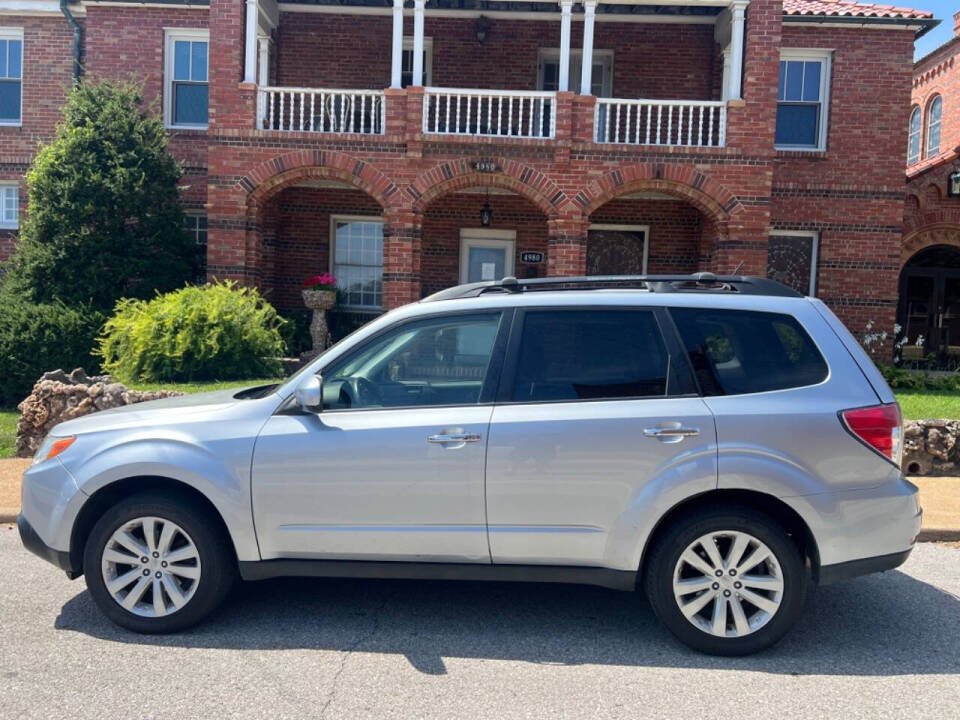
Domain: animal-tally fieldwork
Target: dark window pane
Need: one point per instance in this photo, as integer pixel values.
(181, 60)
(811, 81)
(590, 354)
(794, 89)
(9, 100)
(790, 261)
(14, 57)
(797, 124)
(190, 104)
(737, 351)
(782, 84)
(198, 67)
(4, 50)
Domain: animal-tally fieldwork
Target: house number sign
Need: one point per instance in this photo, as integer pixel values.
(531, 257)
(486, 166)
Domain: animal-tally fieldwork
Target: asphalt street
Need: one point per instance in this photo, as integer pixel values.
(881, 646)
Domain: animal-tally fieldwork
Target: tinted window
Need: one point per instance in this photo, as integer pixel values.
(735, 352)
(440, 361)
(590, 354)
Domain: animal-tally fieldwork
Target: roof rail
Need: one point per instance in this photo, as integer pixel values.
(697, 282)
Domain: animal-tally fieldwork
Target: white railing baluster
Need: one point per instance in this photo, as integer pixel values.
(446, 123)
(270, 101)
(280, 124)
(647, 140)
(656, 140)
(669, 125)
(616, 126)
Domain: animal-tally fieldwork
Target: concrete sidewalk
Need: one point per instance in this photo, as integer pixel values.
(939, 496)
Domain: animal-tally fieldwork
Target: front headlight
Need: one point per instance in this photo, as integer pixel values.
(51, 447)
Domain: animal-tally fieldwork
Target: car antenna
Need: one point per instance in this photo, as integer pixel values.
(736, 270)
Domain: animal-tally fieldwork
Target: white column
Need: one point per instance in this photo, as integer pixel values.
(725, 82)
(737, 10)
(396, 66)
(565, 7)
(418, 41)
(250, 43)
(263, 78)
(586, 69)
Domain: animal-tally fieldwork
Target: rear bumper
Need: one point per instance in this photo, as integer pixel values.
(839, 572)
(32, 542)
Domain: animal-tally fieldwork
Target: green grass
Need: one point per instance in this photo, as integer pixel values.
(928, 404)
(8, 416)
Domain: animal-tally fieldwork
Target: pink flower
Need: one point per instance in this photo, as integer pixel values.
(320, 282)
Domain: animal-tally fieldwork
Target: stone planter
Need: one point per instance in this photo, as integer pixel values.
(319, 301)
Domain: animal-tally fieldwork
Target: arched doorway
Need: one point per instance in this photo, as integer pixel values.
(929, 310)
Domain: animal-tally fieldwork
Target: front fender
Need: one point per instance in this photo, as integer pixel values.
(219, 469)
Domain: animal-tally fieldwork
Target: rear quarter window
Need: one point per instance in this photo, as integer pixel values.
(735, 352)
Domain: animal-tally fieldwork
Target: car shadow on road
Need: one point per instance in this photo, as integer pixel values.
(877, 625)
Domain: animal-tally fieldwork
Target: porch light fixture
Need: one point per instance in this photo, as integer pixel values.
(953, 184)
(482, 27)
(486, 212)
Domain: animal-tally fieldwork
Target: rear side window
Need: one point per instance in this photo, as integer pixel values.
(735, 352)
(590, 355)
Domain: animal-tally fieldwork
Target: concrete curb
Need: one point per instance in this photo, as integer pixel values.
(8, 515)
(939, 535)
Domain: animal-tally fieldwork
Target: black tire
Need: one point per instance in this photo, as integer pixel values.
(670, 545)
(216, 558)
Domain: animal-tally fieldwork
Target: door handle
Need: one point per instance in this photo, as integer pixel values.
(679, 433)
(454, 438)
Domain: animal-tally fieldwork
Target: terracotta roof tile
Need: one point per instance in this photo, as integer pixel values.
(850, 8)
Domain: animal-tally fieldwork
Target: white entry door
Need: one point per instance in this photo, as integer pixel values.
(486, 254)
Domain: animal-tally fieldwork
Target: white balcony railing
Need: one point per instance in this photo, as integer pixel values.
(695, 123)
(490, 113)
(321, 111)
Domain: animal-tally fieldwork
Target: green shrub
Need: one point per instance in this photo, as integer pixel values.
(296, 331)
(902, 379)
(37, 338)
(212, 332)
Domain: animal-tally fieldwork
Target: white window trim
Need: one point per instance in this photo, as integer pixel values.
(826, 57)
(913, 160)
(332, 254)
(6, 225)
(171, 35)
(645, 229)
(814, 252)
(487, 237)
(427, 57)
(15, 33)
(604, 57)
(926, 125)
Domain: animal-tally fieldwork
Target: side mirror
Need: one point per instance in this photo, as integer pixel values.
(310, 394)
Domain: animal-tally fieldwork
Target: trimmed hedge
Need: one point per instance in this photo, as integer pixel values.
(901, 379)
(211, 332)
(36, 338)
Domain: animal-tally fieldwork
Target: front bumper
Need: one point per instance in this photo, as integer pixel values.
(33, 543)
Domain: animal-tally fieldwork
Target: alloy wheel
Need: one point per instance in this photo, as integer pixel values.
(151, 567)
(728, 583)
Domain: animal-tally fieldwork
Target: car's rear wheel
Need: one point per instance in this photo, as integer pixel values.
(157, 564)
(726, 581)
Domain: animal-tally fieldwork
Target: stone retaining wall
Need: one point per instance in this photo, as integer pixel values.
(931, 447)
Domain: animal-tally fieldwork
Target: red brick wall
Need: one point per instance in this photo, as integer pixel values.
(320, 50)
(47, 75)
(939, 74)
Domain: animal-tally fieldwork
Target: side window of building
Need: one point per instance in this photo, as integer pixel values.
(592, 355)
(735, 352)
(792, 259)
(186, 79)
(803, 93)
(196, 224)
(11, 76)
(934, 111)
(406, 71)
(913, 144)
(358, 261)
(9, 206)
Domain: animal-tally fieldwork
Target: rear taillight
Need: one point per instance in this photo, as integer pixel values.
(879, 427)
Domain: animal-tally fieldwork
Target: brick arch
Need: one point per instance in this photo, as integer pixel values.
(707, 195)
(927, 230)
(516, 177)
(268, 178)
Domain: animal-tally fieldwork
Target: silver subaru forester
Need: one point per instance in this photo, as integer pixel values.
(722, 442)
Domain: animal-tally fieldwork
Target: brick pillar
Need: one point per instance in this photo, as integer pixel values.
(582, 130)
(232, 102)
(233, 252)
(414, 121)
(402, 233)
(744, 244)
(567, 246)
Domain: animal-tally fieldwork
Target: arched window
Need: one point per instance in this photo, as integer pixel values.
(933, 126)
(913, 145)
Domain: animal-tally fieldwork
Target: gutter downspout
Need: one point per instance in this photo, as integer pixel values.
(72, 21)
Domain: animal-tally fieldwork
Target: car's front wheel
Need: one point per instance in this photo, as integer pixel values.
(157, 564)
(726, 581)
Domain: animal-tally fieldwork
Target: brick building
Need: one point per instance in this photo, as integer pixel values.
(930, 256)
(407, 146)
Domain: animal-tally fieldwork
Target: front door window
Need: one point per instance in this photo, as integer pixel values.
(485, 258)
(929, 313)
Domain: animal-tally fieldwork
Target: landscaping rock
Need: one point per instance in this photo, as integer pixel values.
(58, 396)
(931, 447)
